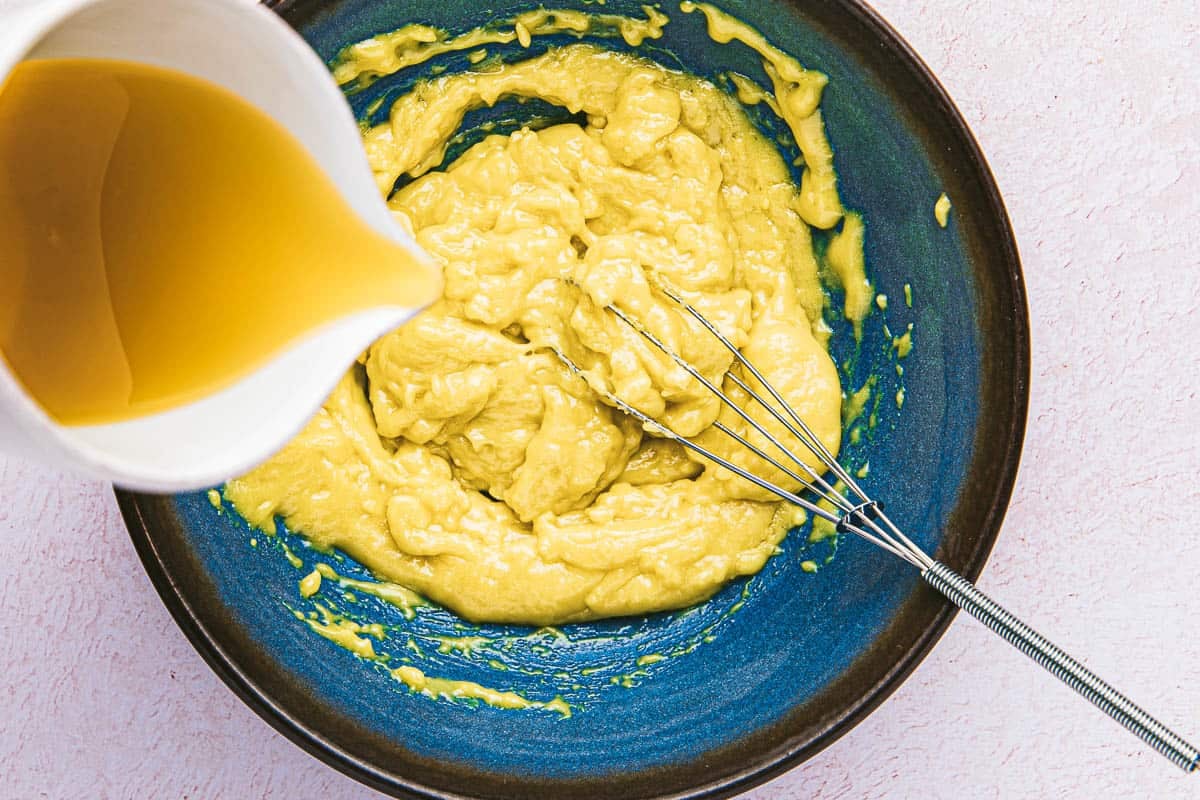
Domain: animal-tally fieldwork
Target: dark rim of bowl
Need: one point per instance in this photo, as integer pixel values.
(142, 513)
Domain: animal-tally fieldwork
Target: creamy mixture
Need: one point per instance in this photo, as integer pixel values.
(941, 210)
(459, 458)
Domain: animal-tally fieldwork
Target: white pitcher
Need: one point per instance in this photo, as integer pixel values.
(248, 50)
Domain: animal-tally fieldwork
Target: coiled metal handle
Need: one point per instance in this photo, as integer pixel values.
(963, 594)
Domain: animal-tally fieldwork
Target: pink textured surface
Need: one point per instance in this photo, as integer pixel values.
(1089, 112)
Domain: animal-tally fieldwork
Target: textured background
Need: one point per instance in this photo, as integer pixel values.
(1089, 111)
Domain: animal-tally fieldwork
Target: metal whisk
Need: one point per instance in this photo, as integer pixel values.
(853, 511)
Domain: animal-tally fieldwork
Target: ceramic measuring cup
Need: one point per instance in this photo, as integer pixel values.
(245, 48)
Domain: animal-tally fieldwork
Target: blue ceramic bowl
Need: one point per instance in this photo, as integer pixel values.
(774, 667)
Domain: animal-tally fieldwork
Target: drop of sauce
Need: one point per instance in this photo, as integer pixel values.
(160, 238)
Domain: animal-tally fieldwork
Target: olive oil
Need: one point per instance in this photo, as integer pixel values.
(160, 238)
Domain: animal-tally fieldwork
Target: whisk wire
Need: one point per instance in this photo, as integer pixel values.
(653, 424)
(841, 520)
(804, 434)
(814, 483)
(902, 545)
(853, 511)
(892, 540)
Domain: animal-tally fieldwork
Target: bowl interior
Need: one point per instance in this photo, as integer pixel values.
(773, 667)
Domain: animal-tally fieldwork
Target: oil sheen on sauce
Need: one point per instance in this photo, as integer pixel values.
(161, 237)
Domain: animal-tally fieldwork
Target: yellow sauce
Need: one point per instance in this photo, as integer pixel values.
(467, 645)
(418, 681)
(903, 345)
(291, 557)
(845, 259)
(856, 402)
(310, 584)
(461, 459)
(142, 258)
(941, 210)
(362, 63)
(361, 638)
(343, 632)
(797, 95)
(401, 597)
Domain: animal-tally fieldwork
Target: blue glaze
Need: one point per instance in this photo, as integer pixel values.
(795, 632)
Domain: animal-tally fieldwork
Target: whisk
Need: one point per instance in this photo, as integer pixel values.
(853, 511)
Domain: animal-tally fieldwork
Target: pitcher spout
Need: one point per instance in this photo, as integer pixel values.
(228, 433)
(245, 48)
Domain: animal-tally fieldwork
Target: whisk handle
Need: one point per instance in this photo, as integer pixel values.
(963, 594)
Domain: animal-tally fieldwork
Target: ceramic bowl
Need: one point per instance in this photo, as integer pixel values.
(774, 667)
